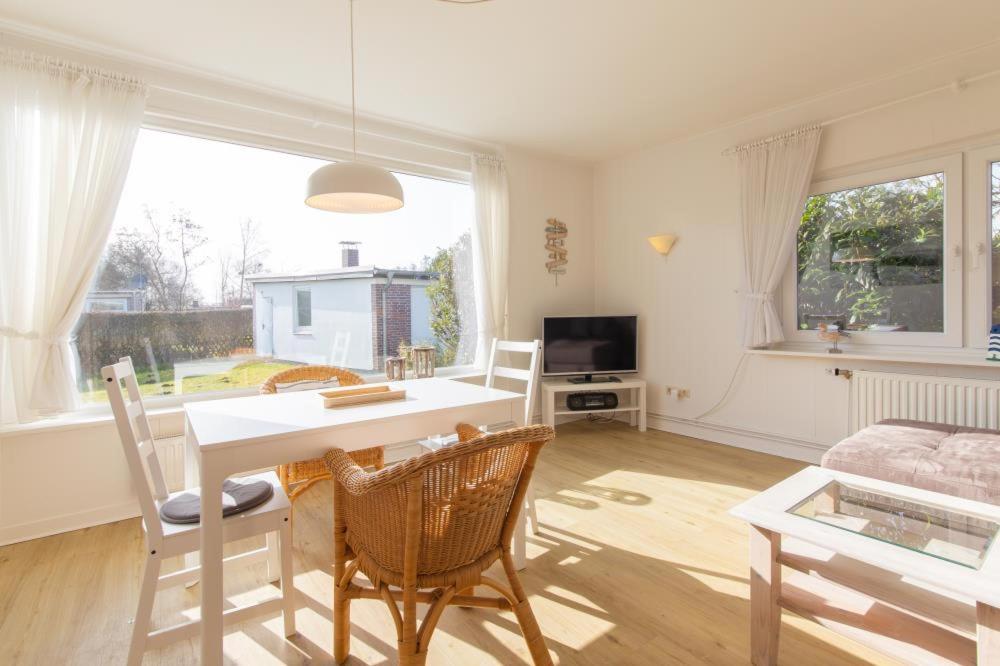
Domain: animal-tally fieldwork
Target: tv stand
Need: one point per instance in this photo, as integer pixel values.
(631, 397)
(589, 379)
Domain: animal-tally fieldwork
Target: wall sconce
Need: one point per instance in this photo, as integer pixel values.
(662, 243)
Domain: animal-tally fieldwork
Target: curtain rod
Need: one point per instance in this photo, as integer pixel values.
(790, 134)
(956, 86)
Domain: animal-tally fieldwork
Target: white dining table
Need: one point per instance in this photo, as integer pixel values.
(229, 436)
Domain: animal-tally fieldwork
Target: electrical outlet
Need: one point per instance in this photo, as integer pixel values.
(683, 393)
(677, 392)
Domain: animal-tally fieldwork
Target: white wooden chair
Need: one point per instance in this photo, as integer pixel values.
(530, 377)
(164, 539)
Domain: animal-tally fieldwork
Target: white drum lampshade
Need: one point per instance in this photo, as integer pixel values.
(353, 187)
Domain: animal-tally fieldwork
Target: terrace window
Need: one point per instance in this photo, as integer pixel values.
(216, 274)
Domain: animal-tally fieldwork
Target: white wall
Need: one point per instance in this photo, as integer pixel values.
(420, 316)
(338, 307)
(688, 301)
(542, 188)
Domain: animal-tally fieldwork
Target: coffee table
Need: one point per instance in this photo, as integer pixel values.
(909, 572)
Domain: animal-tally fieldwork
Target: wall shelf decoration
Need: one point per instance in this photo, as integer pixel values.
(555, 245)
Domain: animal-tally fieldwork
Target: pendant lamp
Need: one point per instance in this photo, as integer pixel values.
(353, 187)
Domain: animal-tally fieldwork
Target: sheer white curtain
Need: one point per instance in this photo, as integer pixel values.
(774, 180)
(66, 139)
(490, 241)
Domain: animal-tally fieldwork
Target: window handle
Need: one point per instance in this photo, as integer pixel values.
(956, 252)
(977, 256)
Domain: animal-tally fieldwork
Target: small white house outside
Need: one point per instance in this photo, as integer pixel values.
(351, 317)
(129, 300)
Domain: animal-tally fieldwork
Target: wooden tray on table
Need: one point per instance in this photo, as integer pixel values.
(360, 395)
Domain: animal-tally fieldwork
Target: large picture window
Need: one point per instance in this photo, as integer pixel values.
(878, 255)
(872, 258)
(217, 275)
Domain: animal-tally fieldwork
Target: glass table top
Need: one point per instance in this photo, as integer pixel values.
(948, 535)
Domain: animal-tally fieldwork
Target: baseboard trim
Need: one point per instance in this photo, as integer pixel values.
(777, 445)
(68, 522)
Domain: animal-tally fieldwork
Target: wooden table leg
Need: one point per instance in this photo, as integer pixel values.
(765, 591)
(987, 634)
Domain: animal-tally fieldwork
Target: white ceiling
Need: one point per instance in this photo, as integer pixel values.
(578, 78)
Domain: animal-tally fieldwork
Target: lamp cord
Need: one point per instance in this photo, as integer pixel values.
(354, 103)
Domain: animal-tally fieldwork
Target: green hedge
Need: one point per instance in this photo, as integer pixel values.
(104, 337)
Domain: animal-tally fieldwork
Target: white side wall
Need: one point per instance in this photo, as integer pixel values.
(339, 308)
(420, 316)
(541, 188)
(688, 301)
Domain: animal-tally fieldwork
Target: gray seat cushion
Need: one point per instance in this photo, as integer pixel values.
(237, 496)
(948, 459)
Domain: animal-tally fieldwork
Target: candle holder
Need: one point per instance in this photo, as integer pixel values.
(423, 361)
(395, 368)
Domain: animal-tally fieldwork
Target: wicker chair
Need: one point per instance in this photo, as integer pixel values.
(437, 521)
(305, 473)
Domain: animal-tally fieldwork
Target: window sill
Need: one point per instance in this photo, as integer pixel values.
(80, 419)
(959, 357)
(174, 405)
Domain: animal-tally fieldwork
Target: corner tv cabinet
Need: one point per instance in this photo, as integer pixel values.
(631, 399)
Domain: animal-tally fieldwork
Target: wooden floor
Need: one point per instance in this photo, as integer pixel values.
(637, 563)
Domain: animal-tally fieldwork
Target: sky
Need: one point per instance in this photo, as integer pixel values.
(223, 184)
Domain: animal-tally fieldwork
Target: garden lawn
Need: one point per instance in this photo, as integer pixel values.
(248, 374)
(245, 375)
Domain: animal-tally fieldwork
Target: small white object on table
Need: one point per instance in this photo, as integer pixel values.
(229, 436)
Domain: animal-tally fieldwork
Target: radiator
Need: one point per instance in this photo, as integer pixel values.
(883, 395)
(170, 452)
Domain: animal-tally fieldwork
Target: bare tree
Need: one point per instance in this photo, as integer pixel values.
(249, 259)
(190, 239)
(161, 278)
(225, 265)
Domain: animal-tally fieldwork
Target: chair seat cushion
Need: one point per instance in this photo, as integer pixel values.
(237, 496)
(955, 460)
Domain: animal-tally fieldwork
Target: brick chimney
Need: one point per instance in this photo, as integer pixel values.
(349, 253)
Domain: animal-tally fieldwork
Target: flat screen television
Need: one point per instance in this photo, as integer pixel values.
(589, 345)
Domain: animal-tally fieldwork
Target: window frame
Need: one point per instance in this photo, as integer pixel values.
(979, 293)
(298, 329)
(952, 336)
(194, 127)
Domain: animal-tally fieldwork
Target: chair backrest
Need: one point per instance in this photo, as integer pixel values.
(315, 373)
(137, 441)
(529, 376)
(439, 512)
